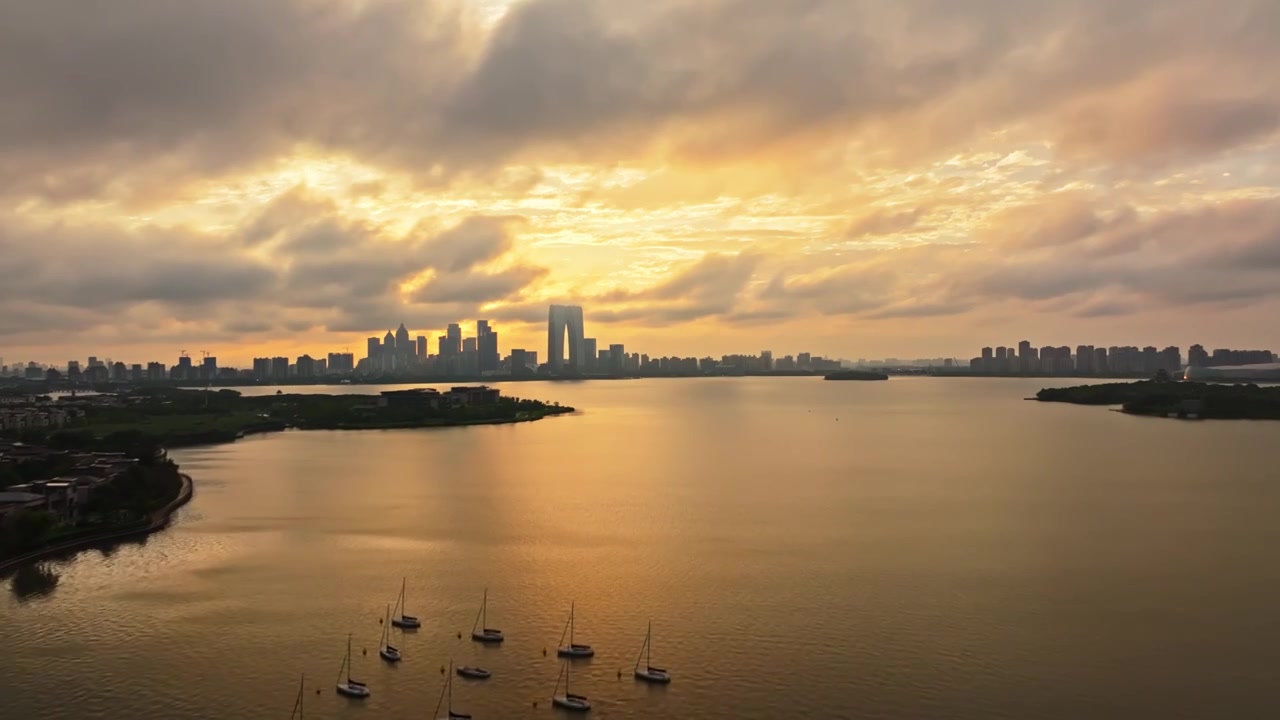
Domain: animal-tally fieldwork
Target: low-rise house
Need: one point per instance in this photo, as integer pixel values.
(13, 502)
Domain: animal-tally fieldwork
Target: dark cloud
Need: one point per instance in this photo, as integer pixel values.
(305, 269)
(131, 98)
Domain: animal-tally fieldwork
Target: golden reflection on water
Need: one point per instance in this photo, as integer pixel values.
(942, 549)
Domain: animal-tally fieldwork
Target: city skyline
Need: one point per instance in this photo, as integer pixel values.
(905, 177)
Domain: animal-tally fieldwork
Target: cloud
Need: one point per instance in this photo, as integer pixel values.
(883, 222)
(135, 98)
(479, 287)
(301, 268)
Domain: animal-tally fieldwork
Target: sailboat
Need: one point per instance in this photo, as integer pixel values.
(479, 632)
(572, 650)
(448, 691)
(388, 653)
(568, 700)
(650, 673)
(401, 620)
(347, 686)
(297, 704)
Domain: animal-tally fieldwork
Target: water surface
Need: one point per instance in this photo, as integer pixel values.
(917, 548)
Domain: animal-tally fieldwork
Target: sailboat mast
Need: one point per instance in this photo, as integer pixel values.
(348, 658)
(648, 646)
(449, 688)
(484, 610)
(643, 646)
(566, 680)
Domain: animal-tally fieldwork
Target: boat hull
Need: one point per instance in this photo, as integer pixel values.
(353, 690)
(406, 623)
(390, 654)
(474, 673)
(657, 677)
(488, 635)
(576, 651)
(575, 703)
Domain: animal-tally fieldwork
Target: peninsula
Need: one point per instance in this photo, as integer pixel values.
(92, 468)
(1186, 400)
(172, 417)
(856, 375)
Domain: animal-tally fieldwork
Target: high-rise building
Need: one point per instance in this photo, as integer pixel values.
(306, 366)
(209, 368)
(340, 363)
(279, 368)
(404, 346)
(421, 347)
(562, 318)
(987, 363)
(155, 371)
(520, 363)
(589, 355)
(454, 333)
(487, 346)
(374, 350)
(766, 360)
(617, 358)
(1084, 359)
(1027, 357)
(135, 373)
(119, 373)
(1197, 357)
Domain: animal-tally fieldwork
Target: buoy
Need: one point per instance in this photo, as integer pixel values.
(535, 703)
(459, 635)
(441, 669)
(317, 691)
(619, 674)
(365, 651)
(379, 621)
(544, 652)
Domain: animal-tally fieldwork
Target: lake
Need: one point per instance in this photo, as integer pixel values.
(916, 548)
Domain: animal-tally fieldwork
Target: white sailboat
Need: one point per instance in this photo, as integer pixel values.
(401, 620)
(649, 673)
(573, 649)
(448, 692)
(347, 686)
(297, 704)
(568, 700)
(479, 632)
(388, 653)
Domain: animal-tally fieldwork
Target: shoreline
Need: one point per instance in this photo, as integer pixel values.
(162, 517)
(269, 428)
(159, 520)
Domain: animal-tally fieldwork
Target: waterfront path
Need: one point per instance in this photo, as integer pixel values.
(158, 521)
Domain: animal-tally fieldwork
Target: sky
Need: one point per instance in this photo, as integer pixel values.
(851, 178)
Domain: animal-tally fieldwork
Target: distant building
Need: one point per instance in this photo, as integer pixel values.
(279, 368)
(617, 358)
(562, 319)
(421, 342)
(341, 363)
(306, 366)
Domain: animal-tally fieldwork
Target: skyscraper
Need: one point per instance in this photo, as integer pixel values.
(589, 354)
(422, 347)
(405, 347)
(454, 333)
(487, 341)
(559, 319)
